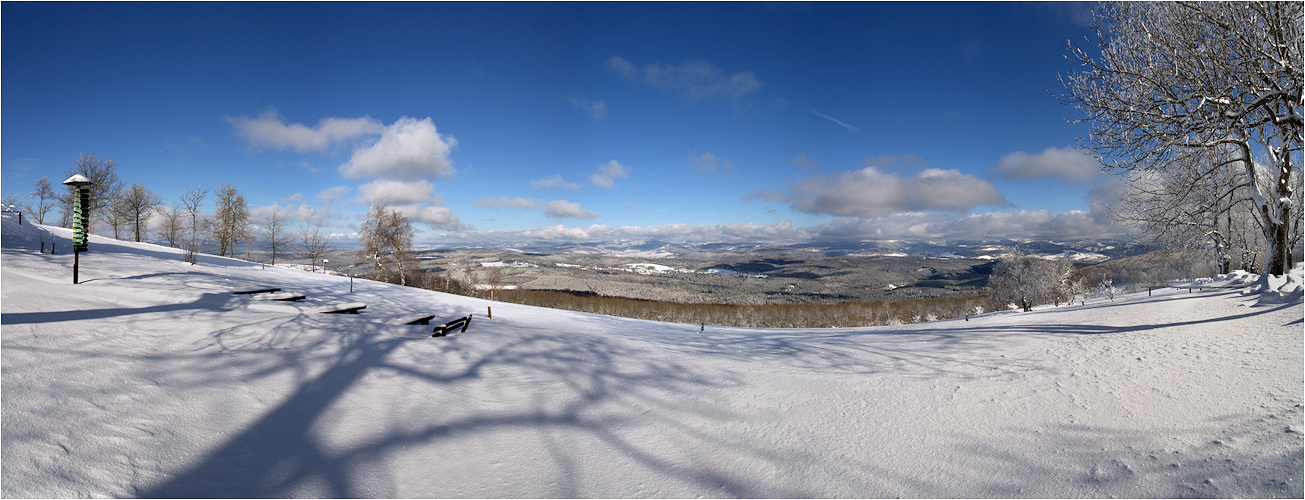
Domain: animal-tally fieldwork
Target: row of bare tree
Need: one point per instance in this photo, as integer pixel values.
(127, 211)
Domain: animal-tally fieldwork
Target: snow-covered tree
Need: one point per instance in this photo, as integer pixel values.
(1202, 86)
(1027, 280)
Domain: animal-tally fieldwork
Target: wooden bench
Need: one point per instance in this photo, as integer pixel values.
(444, 329)
(414, 319)
(251, 292)
(345, 308)
(286, 296)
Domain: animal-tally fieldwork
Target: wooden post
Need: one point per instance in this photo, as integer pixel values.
(350, 283)
(489, 312)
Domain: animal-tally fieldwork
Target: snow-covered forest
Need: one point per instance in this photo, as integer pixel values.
(150, 378)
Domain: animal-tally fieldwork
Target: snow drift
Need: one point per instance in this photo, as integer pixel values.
(152, 379)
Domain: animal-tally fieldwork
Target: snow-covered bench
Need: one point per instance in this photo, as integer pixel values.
(413, 319)
(444, 329)
(252, 292)
(287, 296)
(345, 308)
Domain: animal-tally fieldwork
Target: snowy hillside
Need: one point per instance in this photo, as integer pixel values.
(151, 378)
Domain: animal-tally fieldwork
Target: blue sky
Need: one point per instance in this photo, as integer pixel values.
(505, 121)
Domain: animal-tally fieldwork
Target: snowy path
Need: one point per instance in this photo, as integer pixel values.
(151, 379)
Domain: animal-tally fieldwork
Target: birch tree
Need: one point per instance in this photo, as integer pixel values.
(231, 219)
(1174, 81)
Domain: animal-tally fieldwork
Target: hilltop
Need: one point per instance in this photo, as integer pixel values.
(150, 378)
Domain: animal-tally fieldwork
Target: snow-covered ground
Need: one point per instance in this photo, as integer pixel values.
(151, 379)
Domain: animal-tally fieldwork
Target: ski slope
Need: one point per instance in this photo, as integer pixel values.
(150, 379)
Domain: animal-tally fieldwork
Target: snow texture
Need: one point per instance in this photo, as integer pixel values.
(151, 379)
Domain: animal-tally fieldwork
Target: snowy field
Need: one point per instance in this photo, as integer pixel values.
(151, 379)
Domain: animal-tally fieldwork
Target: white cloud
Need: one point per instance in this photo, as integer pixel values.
(1064, 163)
(554, 181)
(562, 209)
(517, 202)
(709, 162)
(271, 130)
(871, 193)
(1039, 224)
(596, 110)
(697, 80)
(436, 217)
(407, 149)
(608, 173)
(397, 192)
(782, 231)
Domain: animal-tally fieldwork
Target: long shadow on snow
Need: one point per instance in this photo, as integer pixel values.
(206, 301)
(283, 453)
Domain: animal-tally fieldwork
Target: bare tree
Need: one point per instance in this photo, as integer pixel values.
(279, 239)
(231, 220)
(46, 197)
(1176, 81)
(193, 202)
(173, 228)
(117, 216)
(104, 189)
(139, 205)
(316, 244)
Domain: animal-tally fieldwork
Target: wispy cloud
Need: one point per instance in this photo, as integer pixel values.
(554, 181)
(840, 123)
(697, 80)
(503, 201)
(709, 162)
(596, 110)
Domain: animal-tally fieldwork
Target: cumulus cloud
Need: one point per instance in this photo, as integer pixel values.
(1071, 164)
(397, 192)
(709, 162)
(870, 192)
(697, 80)
(407, 149)
(433, 216)
(517, 202)
(596, 110)
(608, 173)
(554, 181)
(562, 209)
(271, 130)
